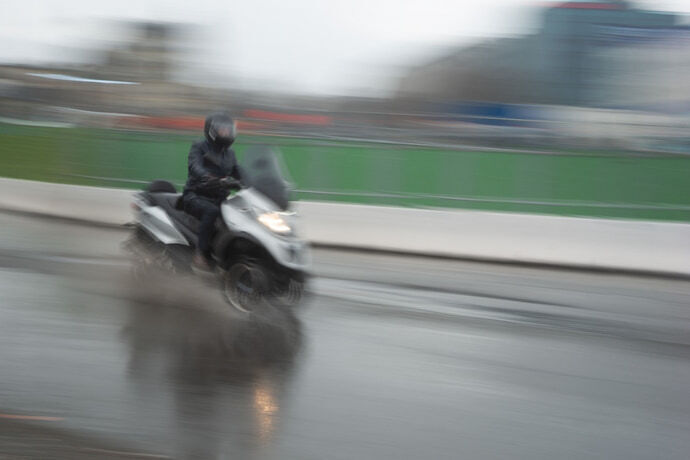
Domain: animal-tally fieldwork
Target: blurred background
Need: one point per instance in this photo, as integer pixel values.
(575, 108)
(565, 108)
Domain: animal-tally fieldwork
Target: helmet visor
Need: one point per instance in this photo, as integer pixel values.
(222, 131)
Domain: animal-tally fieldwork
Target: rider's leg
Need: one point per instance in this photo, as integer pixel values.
(207, 212)
(207, 227)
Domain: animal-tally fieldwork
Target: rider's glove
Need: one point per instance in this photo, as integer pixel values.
(230, 183)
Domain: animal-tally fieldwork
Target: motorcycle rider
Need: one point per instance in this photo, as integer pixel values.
(212, 171)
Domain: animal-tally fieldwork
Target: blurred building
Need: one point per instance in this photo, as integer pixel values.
(147, 55)
(132, 75)
(640, 68)
(597, 53)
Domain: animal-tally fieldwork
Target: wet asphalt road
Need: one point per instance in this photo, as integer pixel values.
(393, 358)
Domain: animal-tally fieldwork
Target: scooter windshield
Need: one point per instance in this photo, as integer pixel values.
(262, 169)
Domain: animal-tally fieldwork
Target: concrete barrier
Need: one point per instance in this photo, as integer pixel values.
(583, 242)
(103, 205)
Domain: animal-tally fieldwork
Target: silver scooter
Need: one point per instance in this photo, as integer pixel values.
(258, 253)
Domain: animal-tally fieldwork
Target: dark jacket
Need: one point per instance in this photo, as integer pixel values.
(205, 166)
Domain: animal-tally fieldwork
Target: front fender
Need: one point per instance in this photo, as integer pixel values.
(240, 222)
(225, 240)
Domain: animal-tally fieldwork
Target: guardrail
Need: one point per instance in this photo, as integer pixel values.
(569, 183)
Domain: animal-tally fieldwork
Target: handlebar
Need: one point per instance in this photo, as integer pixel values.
(223, 182)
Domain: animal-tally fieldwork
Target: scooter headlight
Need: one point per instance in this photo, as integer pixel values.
(275, 222)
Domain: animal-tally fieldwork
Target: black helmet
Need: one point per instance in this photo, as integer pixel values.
(219, 130)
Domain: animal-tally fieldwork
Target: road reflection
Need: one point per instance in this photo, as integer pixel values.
(224, 377)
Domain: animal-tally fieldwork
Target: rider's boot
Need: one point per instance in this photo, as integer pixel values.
(201, 263)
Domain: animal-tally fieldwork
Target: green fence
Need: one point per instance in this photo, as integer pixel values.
(601, 184)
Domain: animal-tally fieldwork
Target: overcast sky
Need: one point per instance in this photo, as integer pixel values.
(309, 46)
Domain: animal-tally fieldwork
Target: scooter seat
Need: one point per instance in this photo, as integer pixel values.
(167, 200)
(172, 204)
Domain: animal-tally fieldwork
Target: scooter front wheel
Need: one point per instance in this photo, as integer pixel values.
(291, 295)
(244, 286)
